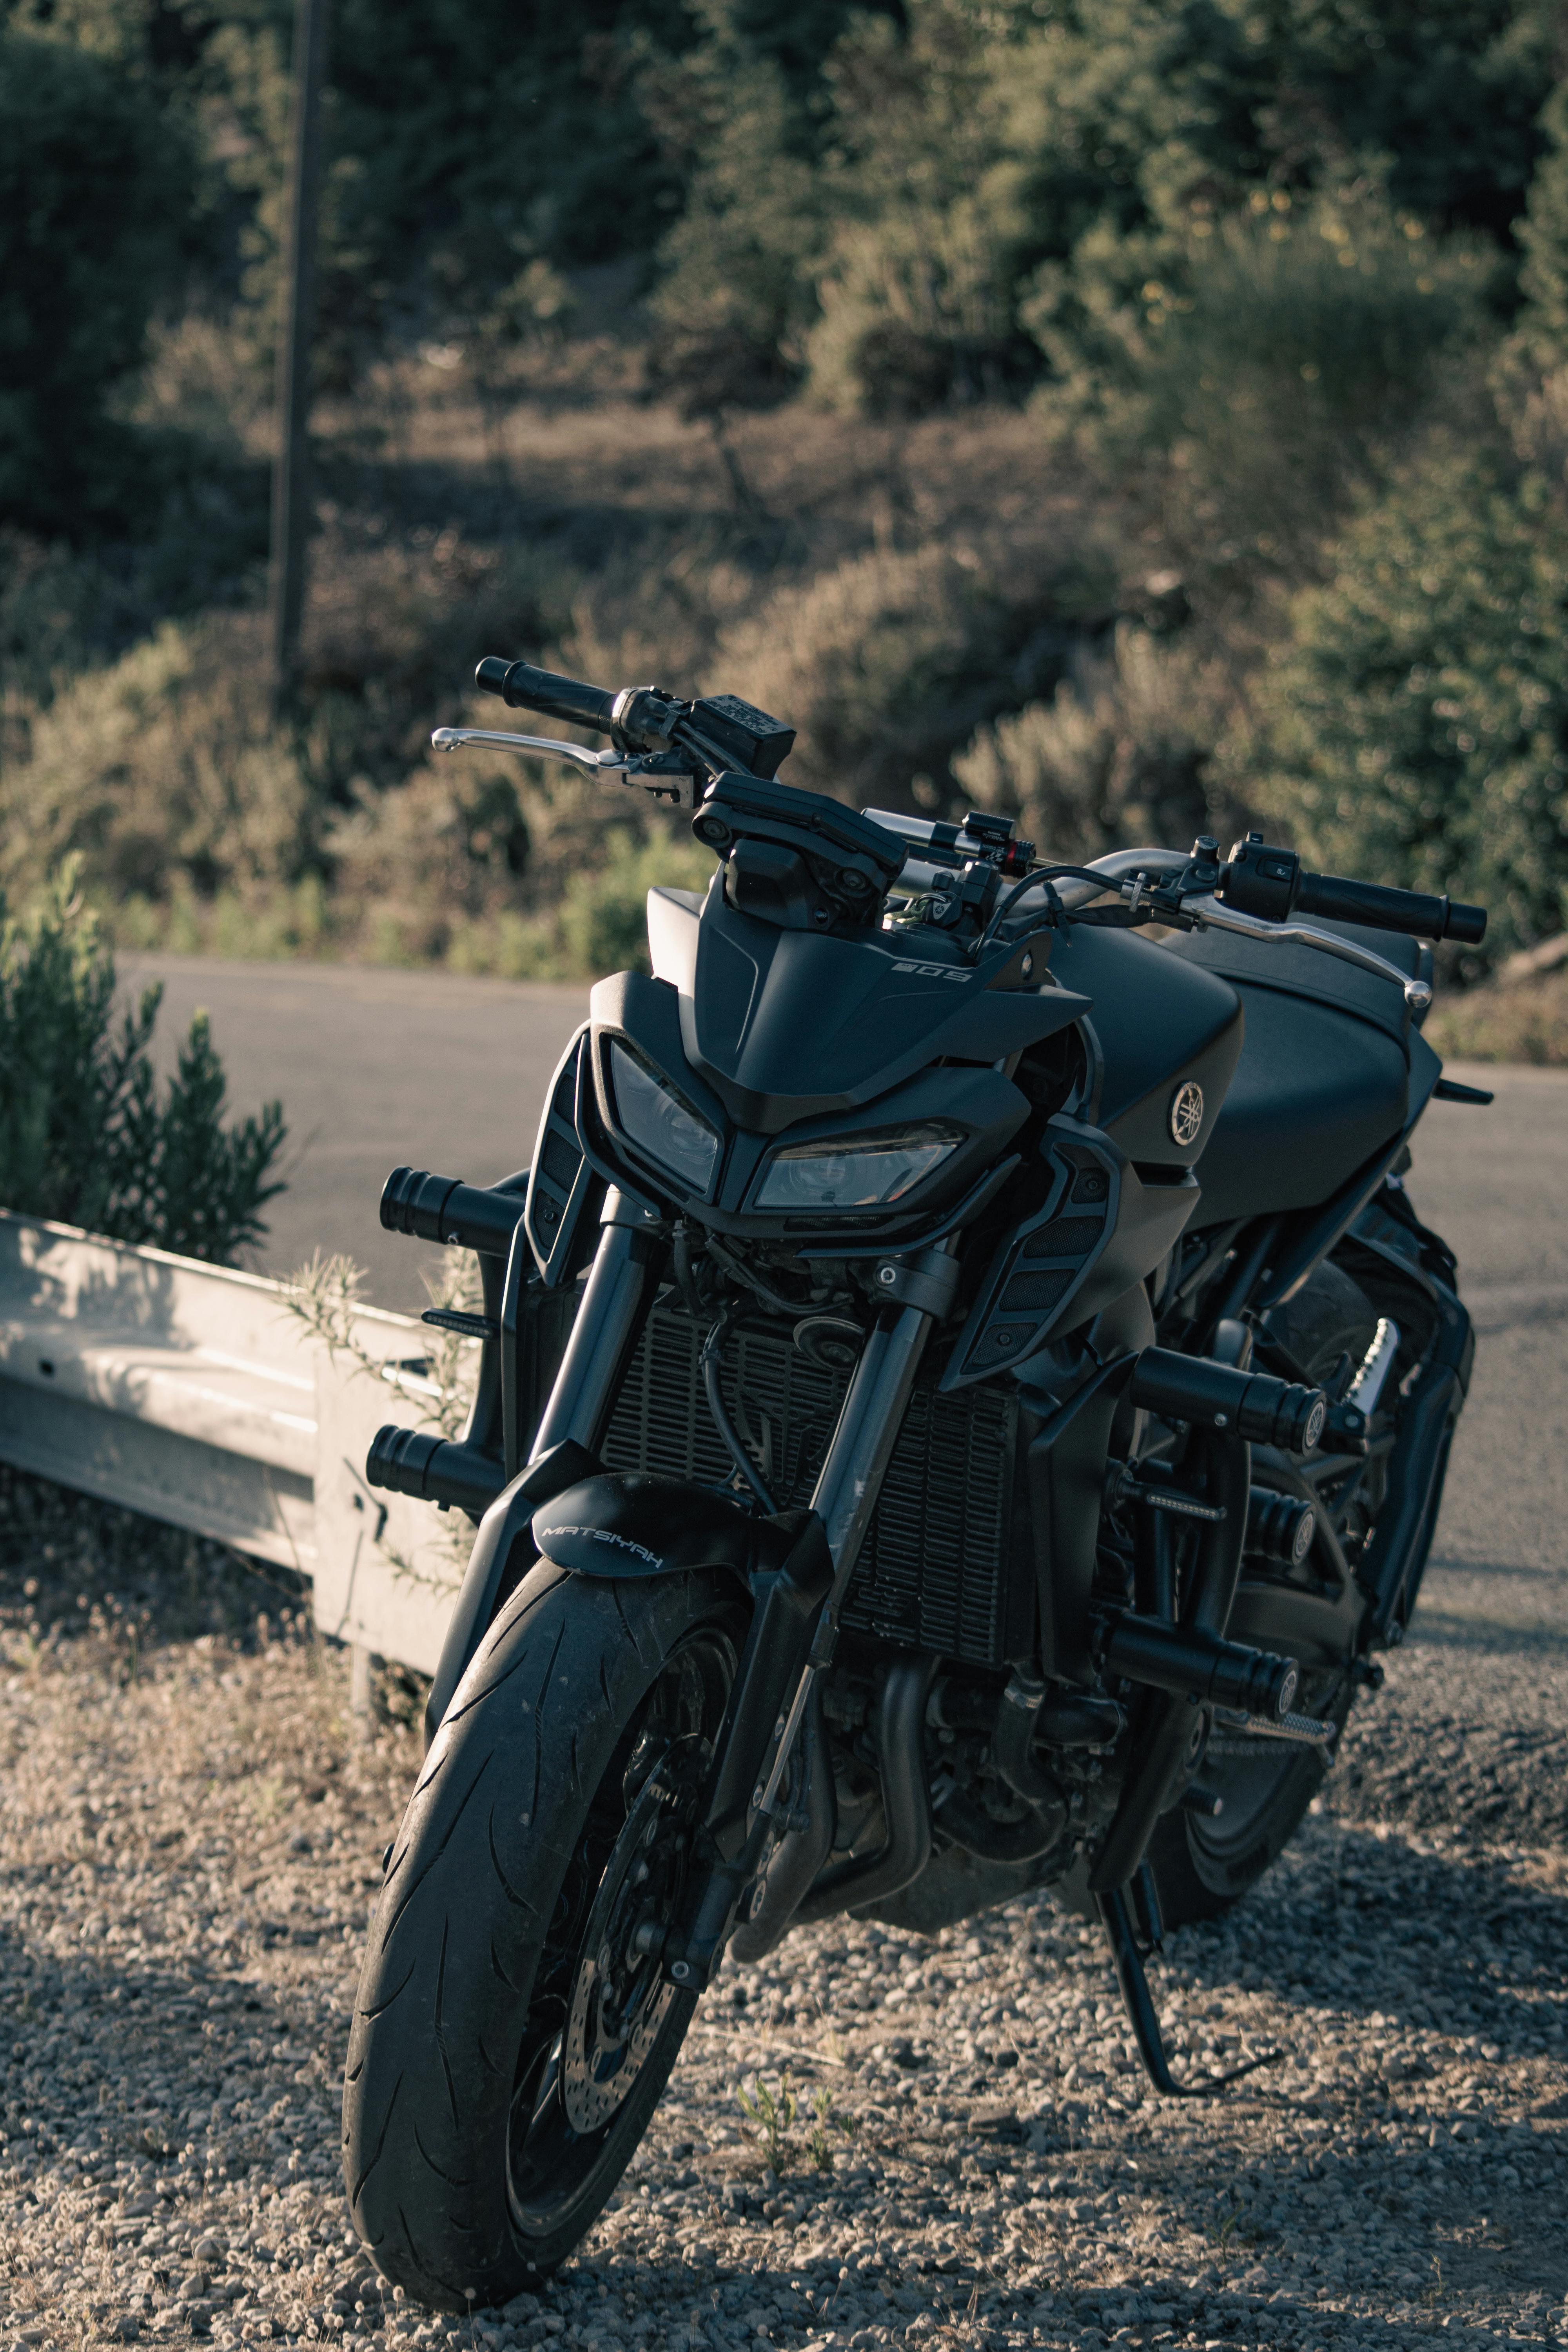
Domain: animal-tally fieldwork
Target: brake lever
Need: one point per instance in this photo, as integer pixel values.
(1209, 915)
(664, 775)
(453, 738)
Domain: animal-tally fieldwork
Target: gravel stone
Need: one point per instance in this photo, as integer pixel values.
(191, 1827)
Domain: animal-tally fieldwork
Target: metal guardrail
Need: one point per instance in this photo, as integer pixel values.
(193, 1393)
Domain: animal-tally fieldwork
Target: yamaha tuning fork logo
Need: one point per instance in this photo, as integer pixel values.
(1186, 1113)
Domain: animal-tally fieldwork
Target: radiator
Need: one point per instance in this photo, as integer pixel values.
(934, 1573)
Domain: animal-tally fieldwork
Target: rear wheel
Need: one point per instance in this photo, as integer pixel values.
(1202, 1864)
(509, 2042)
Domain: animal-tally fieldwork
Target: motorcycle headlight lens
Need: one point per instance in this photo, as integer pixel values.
(659, 1123)
(869, 1173)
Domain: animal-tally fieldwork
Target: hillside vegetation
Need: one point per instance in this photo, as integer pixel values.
(1140, 418)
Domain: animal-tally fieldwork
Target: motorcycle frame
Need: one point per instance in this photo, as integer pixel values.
(1067, 1452)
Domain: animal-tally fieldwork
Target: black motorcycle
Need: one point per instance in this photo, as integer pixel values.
(964, 1397)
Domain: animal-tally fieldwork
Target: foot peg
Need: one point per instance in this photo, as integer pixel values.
(1310, 1731)
(1133, 1928)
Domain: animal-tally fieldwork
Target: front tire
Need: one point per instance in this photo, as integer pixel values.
(509, 2046)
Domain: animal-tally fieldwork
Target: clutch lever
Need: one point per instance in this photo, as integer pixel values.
(1209, 915)
(662, 773)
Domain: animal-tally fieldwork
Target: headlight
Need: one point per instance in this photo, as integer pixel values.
(865, 1174)
(657, 1121)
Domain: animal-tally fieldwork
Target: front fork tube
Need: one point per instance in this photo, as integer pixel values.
(842, 1504)
(628, 1267)
(847, 1491)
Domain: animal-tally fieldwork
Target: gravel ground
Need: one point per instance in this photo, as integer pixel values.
(189, 1842)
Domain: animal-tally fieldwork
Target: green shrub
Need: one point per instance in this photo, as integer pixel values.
(1255, 370)
(917, 310)
(603, 919)
(952, 157)
(88, 1136)
(1413, 729)
(163, 770)
(96, 191)
(888, 662)
(1523, 1024)
(1120, 759)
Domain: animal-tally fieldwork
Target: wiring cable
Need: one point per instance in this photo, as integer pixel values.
(713, 1361)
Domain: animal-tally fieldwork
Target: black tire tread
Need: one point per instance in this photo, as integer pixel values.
(460, 1922)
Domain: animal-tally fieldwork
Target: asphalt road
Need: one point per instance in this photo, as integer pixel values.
(377, 1066)
(374, 1068)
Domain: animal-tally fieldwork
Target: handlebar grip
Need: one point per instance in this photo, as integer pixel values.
(445, 1208)
(524, 687)
(1410, 911)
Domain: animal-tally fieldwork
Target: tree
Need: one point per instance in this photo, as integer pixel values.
(96, 190)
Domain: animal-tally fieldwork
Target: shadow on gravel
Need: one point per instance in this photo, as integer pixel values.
(118, 2066)
(1372, 1924)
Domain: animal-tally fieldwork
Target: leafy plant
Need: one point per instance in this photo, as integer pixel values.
(87, 1136)
(1122, 755)
(1414, 729)
(771, 2116)
(326, 1295)
(887, 662)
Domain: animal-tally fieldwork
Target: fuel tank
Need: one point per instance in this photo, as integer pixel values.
(1169, 1036)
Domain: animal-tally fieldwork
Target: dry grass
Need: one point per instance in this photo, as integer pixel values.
(1525, 1023)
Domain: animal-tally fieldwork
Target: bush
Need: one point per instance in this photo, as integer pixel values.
(951, 156)
(1523, 1024)
(96, 191)
(164, 769)
(1255, 370)
(916, 311)
(1415, 729)
(1120, 759)
(87, 1136)
(888, 663)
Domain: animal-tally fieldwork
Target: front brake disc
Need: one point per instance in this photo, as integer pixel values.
(620, 1997)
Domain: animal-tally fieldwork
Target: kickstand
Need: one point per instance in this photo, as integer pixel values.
(1128, 1948)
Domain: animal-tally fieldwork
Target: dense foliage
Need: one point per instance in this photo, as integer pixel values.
(1417, 728)
(1247, 318)
(87, 1136)
(95, 198)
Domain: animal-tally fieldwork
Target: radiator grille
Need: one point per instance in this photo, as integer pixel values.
(933, 1572)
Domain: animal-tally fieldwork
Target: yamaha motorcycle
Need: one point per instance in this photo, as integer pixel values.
(964, 1399)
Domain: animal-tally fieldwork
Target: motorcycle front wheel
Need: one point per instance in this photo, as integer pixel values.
(510, 2038)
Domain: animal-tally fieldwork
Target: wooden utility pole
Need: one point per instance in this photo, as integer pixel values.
(291, 470)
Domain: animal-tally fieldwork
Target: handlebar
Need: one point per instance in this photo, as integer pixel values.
(1271, 884)
(1410, 912)
(524, 688)
(673, 748)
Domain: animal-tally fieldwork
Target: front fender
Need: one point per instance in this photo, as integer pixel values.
(638, 1523)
